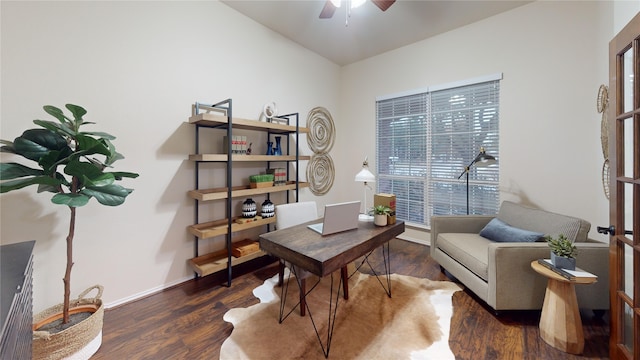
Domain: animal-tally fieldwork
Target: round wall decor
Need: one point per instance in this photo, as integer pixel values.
(605, 178)
(320, 173)
(322, 131)
(602, 103)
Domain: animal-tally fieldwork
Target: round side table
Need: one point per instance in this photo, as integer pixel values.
(560, 323)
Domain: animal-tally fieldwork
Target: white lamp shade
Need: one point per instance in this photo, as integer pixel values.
(365, 176)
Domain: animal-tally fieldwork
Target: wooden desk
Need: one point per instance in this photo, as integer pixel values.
(560, 322)
(323, 255)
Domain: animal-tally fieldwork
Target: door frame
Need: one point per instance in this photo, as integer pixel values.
(628, 38)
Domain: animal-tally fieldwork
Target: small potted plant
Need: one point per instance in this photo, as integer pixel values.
(380, 213)
(563, 252)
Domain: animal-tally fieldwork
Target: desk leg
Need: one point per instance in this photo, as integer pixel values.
(387, 267)
(560, 323)
(344, 273)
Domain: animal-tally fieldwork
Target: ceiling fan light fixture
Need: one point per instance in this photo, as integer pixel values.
(356, 3)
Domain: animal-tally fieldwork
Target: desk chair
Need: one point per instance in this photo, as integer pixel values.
(291, 214)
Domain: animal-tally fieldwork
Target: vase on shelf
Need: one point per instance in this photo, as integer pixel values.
(249, 209)
(269, 148)
(278, 150)
(267, 210)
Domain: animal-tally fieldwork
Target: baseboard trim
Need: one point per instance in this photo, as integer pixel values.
(146, 293)
(414, 239)
(157, 289)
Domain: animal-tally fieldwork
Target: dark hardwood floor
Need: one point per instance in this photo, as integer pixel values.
(185, 322)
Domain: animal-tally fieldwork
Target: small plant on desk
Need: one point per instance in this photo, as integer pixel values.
(380, 213)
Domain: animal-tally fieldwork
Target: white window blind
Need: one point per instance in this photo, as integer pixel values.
(402, 156)
(424, 143)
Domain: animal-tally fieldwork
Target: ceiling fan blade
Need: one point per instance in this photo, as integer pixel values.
(327, 10)
(383, 4)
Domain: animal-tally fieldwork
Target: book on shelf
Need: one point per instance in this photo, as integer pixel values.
(567, 274)
(238, 144)
(279, 176)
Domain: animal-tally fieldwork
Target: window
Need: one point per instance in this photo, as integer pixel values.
(426, 139)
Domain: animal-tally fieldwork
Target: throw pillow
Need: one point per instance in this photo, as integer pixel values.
(499, 231)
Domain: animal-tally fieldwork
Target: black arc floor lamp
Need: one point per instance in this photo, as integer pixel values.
(483, 159)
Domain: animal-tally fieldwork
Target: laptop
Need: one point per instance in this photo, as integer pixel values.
(337, 218)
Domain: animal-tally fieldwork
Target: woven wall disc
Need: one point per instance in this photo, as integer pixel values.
(605, 178)
(602, 102)
(603, 99)
(322, 131)
(320, 173)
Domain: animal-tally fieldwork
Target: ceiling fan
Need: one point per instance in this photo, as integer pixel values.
(330, 6)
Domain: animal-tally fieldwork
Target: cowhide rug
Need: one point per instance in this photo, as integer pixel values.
(413, 324)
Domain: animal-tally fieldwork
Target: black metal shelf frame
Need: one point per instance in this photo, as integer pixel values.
(226, 106)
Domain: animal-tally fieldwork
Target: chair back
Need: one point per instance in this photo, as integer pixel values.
(291, 214)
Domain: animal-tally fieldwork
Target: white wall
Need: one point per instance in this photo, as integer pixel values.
(137, 67)
(554, 56)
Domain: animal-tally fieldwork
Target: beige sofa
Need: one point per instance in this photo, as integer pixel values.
(500, 273)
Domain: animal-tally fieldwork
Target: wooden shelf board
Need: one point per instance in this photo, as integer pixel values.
(219, 227)
(217, 261)
(241, 191)
(224, 157)
(216, 120)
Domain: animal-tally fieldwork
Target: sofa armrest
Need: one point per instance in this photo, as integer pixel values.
(513, 282)
(456, 224)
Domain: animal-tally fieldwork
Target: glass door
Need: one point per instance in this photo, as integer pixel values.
(624, 160)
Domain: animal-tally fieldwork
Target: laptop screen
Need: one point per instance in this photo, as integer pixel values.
(338, 217)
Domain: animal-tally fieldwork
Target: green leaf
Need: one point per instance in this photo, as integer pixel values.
(56, 113)
(11, 185)
(122, 174)
(10, 171)
(77, 111)
(53, 159)
(36, 143)
(8, 148)
(47, 188)
(82, 169)
(115, 156)
(110, 195)
(99, 134)
(55, 127)
(99, 181)
(73, 200)
(89, 146)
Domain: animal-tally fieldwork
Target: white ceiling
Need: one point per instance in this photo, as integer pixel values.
(370, 31)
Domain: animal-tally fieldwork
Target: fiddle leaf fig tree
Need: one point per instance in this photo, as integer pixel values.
(72, 164)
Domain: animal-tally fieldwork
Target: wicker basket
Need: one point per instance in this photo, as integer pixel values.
(77, 342)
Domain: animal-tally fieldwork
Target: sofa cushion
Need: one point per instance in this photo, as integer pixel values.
(470, 250)
(498, 230)
(543, 221)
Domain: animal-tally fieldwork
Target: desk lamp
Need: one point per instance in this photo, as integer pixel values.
(365, 176)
